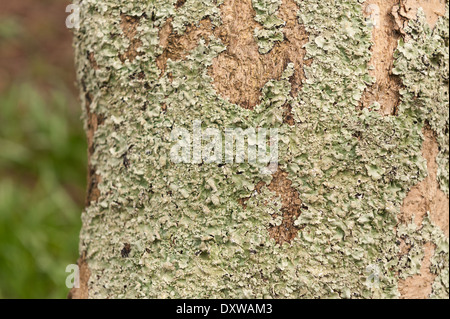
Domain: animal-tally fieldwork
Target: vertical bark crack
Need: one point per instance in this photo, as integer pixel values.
(419, 286)
(93, 121)
(386, 89)
(290, 209)
(427, 196)
(85, 274)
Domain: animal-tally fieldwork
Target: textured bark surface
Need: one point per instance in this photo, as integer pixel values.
(241, 71)
(358, 94)
(419, 286)
(385, 37)
(83, 291)
(291, 206)
(427, 197)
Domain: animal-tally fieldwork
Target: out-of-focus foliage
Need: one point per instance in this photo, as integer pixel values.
(42, 150)
(42, 180)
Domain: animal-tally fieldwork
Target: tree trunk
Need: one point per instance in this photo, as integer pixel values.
(354, 204)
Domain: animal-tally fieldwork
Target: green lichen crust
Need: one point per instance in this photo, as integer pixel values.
(189, 235)
(423, 64)
(266, 15)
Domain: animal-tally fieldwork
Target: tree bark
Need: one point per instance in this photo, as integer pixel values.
(357, 92)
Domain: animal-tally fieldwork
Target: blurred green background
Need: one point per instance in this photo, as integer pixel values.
(42, 150)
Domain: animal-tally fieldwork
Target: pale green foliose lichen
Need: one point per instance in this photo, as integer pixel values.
(266, 15)
(423, 64)
(189, 235)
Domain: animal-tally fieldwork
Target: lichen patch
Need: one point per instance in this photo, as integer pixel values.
(189, 236)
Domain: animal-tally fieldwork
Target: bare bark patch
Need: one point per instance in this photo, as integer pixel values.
(85, 274)
(407, 10)
(386, 89)
(291, 205)
(404, 247)
(419, 286)
(93, 61)
(391, 17)
(125, 252)
(129, 27)
(427, 196)
(288, 116)
(93, 193)
(290, 208)
(180, 3)
(295, 38)
(241, 71)
(177, 46)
